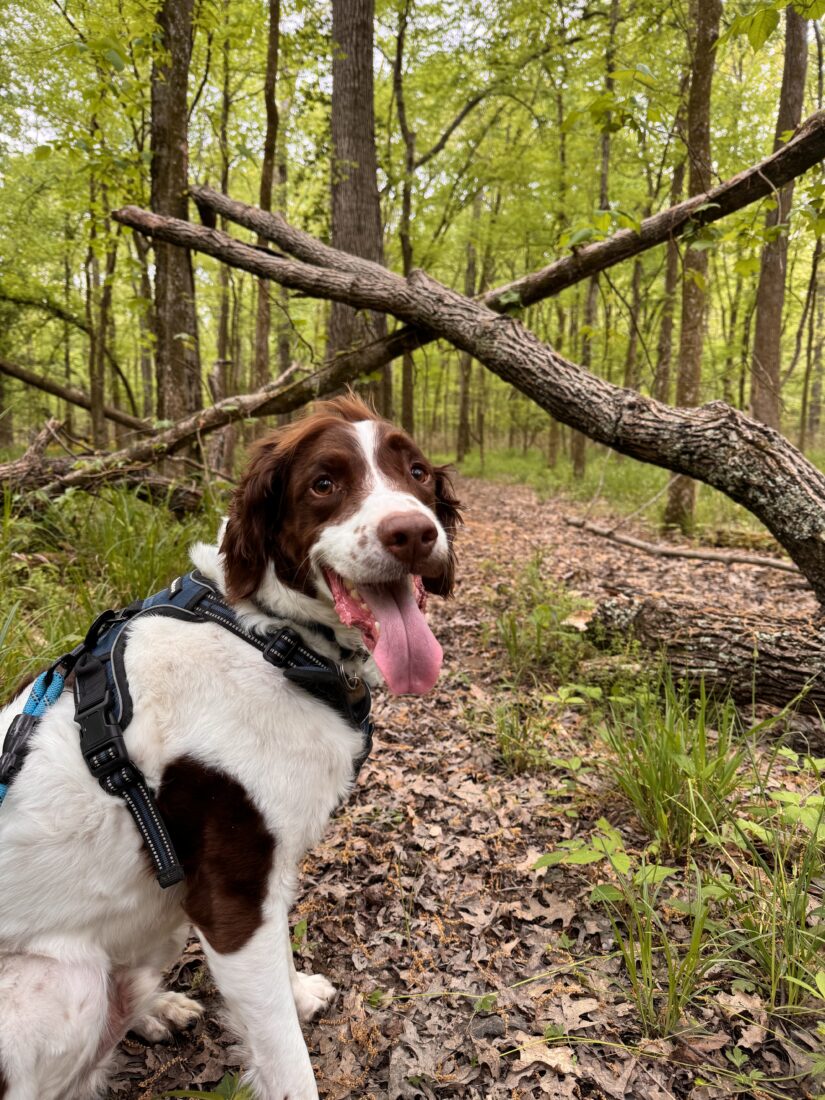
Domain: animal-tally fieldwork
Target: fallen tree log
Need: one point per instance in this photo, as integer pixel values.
(663, 550)
(775, 661)
(71, 394)
(752, 464)
(803, 151)
(34, 469)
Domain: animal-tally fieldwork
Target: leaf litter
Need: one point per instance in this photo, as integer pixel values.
(461, 971)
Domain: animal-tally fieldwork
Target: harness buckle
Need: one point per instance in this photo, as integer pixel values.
(101, 741)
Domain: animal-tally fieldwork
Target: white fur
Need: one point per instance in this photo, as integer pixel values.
(85, 930)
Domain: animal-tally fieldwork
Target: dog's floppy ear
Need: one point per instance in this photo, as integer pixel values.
(254, 518)
(448, 511)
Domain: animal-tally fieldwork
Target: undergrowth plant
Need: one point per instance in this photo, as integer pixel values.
(667, 971)
(534, 631)
(677, 758)
(230, 1088)
(775, 914)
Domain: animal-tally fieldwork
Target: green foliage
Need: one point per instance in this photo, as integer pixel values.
(774, 922)
(522, 736)
(677, 758)
(230, 1088)
(534, 630)
(80, 556)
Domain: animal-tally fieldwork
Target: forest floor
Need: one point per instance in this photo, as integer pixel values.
(462, 971)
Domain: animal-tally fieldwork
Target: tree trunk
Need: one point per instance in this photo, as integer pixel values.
(664, 348)
(261, 369)
(145, 327)
(465, 361)
(706, 15)
(770, 297)
(6, 419)
(356, 210)
(97, 338)
(177, 357)
(739, 653)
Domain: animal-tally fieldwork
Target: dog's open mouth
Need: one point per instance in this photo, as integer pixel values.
(391, 620)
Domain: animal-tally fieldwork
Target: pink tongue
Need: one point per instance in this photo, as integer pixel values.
(407, 653)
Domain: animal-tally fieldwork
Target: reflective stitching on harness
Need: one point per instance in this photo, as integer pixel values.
(100, 682)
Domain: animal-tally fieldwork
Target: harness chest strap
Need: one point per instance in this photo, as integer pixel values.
(103, 705)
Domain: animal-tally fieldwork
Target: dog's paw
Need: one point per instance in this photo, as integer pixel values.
(170, 1012)
(313, 993)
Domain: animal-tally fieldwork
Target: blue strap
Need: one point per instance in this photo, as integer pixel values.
(46, 690)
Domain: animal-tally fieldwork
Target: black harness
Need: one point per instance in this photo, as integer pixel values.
(103, 703)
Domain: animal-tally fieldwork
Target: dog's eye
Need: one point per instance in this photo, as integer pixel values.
(419, 472)
(323, 486)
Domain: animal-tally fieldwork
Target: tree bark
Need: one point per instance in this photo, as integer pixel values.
(751, 463)
(735, 653)
(261, 371)
(465, 360)
(177, 356)
(356, 210)
(706, 15)
(770, 297)
(664, 347)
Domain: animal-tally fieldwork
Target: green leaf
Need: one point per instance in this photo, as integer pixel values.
(819, 978)
(115, 59)
(299, 935)
(761, 26)
(510, 298)
(580, 235)
(551, 859)
(606, 892)
(42, 152)
(621, 862)
(809, 9)
(653, 874)
(583, 856)
(486, 1003)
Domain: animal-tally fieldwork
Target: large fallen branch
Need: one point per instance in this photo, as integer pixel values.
(33, 469)
(664, 550)
(749, 462)
(284, 396)
(71, 394)
(771, 662)
(805, 149)
(43, 301)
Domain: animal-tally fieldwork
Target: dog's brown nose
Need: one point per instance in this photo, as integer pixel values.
(409, 536)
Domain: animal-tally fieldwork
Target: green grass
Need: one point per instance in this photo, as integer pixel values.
(612, 483)
(676, 757)
(77, 557)
(533, 630)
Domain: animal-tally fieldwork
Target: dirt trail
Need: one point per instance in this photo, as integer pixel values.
(421, 904)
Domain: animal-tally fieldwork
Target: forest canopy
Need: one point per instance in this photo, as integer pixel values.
(505, 136)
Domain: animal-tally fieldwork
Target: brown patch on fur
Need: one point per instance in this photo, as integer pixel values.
(224, 847)
(4, 1085)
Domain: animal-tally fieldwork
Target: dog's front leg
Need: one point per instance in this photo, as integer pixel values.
(255, 984)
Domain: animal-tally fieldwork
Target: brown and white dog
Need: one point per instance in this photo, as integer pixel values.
(338, 521)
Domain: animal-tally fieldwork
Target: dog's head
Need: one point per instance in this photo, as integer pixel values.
(346, 510)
